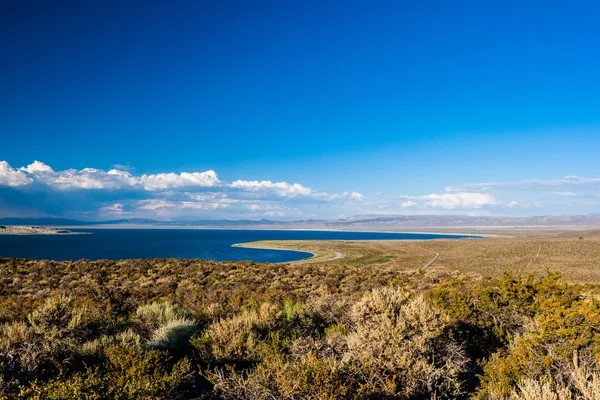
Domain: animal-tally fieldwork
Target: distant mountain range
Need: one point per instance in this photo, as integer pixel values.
(361, 222)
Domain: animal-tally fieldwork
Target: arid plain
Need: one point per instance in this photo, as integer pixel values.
(575, 254)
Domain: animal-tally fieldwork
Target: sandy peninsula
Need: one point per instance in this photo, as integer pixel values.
(33, 230)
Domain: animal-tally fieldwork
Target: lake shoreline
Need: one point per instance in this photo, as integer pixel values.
(183, 243)
(466, 232)
(19, 230)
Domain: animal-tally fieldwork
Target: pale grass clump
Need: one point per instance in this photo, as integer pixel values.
(585, 380)
(530, 389)
(153, 315)
(57, 317)
(582, 383)
(165, 325)
(400, 346)
(96, 347)
(237, 338)
(174, 334)
(13, 334)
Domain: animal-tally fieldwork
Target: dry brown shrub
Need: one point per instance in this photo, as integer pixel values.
(12, 334)
(237, 338)
(278, 377)
(96, 347)
(325, 309)
(400, 347)
(57, 316)
(537, 390)
(582, 383)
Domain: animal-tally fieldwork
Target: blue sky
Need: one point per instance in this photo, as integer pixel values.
(297, 110)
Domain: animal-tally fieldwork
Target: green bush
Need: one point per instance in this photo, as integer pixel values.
(126, 374)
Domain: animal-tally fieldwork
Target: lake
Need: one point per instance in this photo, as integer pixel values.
(214, 244)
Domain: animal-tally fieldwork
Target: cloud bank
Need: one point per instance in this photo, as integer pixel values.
(119, 192)
(91, 193)
(92, 178)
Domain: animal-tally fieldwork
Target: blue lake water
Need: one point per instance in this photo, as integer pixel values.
(214, 244)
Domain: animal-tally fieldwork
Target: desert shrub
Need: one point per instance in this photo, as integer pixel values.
(400, 347)
(132, 374)
(238, 338)
(89, 386)
(13, 334)
(56, 317)
(75, 330)
(281, 377)
(395, 344)
(332, 345)
(49, 343)
(292, 309)
(96, 347)
(488, 316)
(581, 382)
(324, 310)
(555, 332)
(540, 390)
(127, 373)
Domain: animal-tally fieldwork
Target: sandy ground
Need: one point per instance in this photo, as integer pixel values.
(576, 255)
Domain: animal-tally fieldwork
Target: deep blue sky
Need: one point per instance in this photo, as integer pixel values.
(402, 98)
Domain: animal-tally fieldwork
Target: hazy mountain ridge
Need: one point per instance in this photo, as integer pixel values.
(359, 221)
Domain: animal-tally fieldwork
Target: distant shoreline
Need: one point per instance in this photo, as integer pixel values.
(255, 245)
(280, 228)
(19, 230)
(483, 231)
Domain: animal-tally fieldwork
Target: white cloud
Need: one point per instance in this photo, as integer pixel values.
(12, 177)
(92, 178)
(275, 214)
(409, 203)
(357, 196)
(124, 177)
(192, 193)
(202, 205)
(450, 201)
(185, 179)
(459, 200)
(572, 184)
(283, 189)
(570, 194)
(204, 190)
(36, 166)
(87, 178)
(453, 189)
(113, 209)
(123, 167)
(154, 204)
